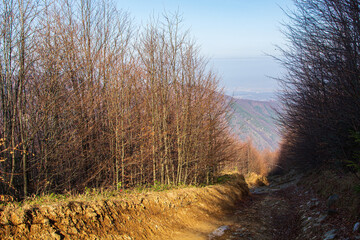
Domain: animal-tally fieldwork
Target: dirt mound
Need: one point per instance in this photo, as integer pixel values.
(133, 216)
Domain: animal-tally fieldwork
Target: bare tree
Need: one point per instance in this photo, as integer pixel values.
(86, 104)
(321, 88)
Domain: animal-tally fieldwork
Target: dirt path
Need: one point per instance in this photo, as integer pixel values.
(283, 210)
(265, 216)
(268, 213)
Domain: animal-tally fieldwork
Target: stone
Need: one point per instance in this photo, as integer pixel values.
(330, 235)
(321, 218)
(55, 235)
(4, 220)
(73, 231)
(220, 231)
(312, 204)
(46, 221)
(331, 203)
(91, 215)
(17, 218)
(356, 227)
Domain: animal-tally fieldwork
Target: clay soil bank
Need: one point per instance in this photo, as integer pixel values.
(188, 213)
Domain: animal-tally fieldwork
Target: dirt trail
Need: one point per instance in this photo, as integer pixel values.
(268, 213)
(283, 210)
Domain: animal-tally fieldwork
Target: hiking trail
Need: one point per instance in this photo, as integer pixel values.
(283, 210)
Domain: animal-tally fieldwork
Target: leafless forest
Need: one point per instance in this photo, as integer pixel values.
(321, 92)
(90, 100)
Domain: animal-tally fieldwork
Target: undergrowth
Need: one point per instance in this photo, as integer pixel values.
(93, 194)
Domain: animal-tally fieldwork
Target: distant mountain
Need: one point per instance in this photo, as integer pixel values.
(253, 95)
(255, 120)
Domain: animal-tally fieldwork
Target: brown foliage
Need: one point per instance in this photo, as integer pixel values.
(251, 160)
(88, 102)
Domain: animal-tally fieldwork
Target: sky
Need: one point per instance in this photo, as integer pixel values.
(236, 35)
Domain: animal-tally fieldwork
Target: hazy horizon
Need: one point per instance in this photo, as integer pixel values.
(252, 75)
(235, 35)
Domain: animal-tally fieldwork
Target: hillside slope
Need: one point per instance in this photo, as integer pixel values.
(255, 120)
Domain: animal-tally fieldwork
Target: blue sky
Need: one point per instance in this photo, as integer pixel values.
(235, 34)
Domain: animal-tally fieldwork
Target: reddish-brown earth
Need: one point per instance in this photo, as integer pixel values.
(285, 209)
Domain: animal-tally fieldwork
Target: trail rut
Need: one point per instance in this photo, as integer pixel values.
(283, 210)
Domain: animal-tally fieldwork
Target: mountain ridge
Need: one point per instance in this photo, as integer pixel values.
(256, 121)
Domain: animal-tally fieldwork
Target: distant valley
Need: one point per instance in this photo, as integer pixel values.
(255, 120)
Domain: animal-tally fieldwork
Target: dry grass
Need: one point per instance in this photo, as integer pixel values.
(255, 180)
(89, 195)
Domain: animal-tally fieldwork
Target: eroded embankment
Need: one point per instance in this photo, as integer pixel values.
(142, 216)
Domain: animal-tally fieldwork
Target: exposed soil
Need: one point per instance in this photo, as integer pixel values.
(155, 215)
(285, 210)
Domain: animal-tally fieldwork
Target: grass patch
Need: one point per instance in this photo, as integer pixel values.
(93, 194)
(225, 178)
